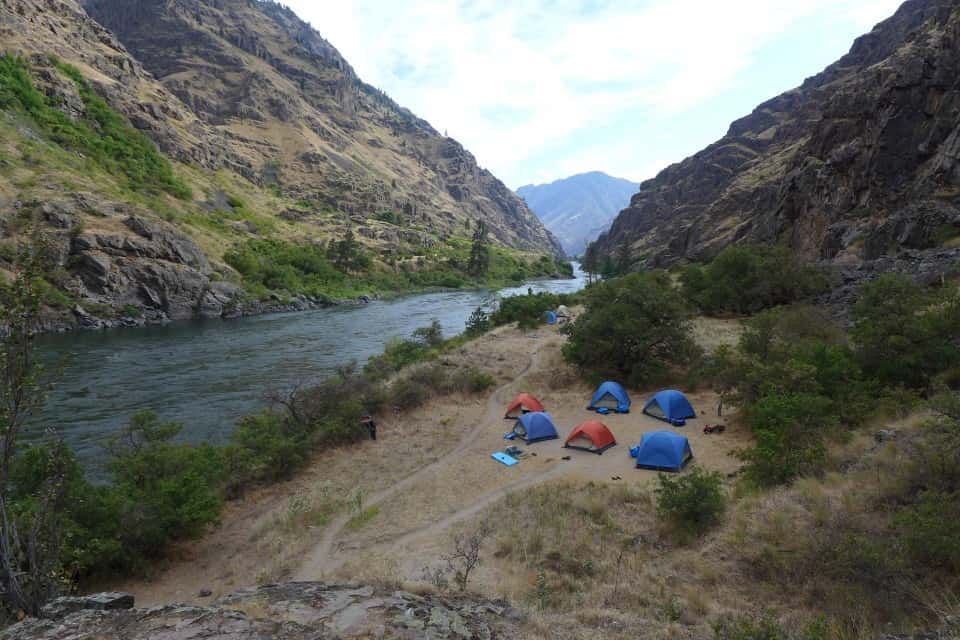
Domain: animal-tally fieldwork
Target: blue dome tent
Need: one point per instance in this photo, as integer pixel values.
(610, 395)
(670, 406)
(551, 317)
(662, 451)
(536, 426)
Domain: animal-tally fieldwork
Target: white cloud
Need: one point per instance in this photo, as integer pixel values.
(510, 78)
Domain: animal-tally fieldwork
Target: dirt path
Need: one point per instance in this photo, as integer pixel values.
(321, 560)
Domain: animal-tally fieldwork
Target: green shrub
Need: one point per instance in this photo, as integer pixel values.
(430, 336)
(264, 448)
(789, 431)
(471, 380)
(931, 529)
(478, 323)
(749, 628)
(748, 278)
(905, 334)
(285, 266)
(91, 517)
(692, 503)
(634, 327)
(528, 311)
(168, 490)
(101, 134)
(407, 394)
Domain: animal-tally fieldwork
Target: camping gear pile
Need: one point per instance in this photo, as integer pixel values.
(657, 450)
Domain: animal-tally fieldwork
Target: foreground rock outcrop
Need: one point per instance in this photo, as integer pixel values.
(859, 162)
(293, 611)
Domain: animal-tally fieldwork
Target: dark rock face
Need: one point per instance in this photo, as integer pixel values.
(858, 162)
(295, 611)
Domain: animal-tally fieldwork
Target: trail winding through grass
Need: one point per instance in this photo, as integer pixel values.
(325, 557)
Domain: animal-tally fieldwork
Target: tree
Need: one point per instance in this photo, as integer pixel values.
(466, 553)
(691, 503)
(635, 326)
(608, 268)
(624, 257)
(30, 531)
(348, 255)
(905, 333)
(745, 279)
(480, 251)
(590, 263)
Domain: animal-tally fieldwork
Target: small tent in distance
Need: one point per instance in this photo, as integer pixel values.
(662, 451)
(523, 403)
(590, 436)
(610, 396)
(670, 406)
(536, 426)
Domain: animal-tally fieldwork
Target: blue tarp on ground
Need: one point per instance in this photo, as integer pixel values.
(670, 406)
(536, 426)
(608, 390)
(663, 451)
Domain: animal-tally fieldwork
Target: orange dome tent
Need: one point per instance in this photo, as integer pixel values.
(523, 403)
(591, 436)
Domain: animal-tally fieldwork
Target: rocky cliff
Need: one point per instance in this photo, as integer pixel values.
(295, 611)
(294, 110)
(858, 162)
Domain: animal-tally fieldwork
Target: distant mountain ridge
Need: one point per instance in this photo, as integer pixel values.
(579, 208)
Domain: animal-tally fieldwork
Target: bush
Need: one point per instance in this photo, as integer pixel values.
(471, 380)
(101, 134)
(692, 503)
(789, 431)
(905, 334)
(528, 311)
(930, 529)
(168, 490)
(264, 448)
(634, 327)
(406, 394)
(478, 323)
(749, 278)
(285, 266)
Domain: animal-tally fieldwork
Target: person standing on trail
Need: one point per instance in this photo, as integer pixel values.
(371, 426)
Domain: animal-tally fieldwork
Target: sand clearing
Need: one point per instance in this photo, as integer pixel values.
(428, 471)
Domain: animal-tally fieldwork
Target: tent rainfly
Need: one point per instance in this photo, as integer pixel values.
(610, 395)
(662, 451)
(523, 403)
(536, 426)
(592, 436)
(670, 406)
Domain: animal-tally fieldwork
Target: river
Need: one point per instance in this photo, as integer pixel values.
(206, 374)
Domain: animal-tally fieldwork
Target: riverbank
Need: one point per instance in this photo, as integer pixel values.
(206, 374)
(233, 304)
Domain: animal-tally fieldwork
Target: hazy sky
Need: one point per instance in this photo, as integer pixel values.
(542, 89)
